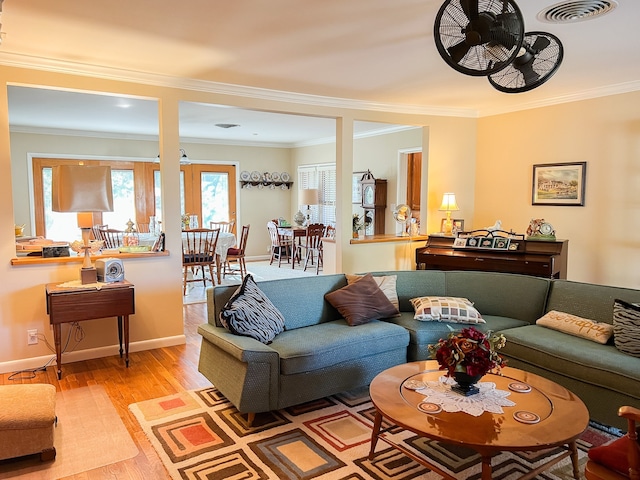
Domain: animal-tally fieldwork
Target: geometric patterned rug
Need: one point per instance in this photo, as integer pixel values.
(198, 434)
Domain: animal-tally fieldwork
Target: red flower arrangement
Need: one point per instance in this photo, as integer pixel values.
(469, 351)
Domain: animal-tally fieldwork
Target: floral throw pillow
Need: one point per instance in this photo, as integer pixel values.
(445, 309)
(626, 327)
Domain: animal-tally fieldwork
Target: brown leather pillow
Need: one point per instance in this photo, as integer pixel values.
(361, 302)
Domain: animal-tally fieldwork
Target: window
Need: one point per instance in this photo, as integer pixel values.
(205, 190)
(322, 177)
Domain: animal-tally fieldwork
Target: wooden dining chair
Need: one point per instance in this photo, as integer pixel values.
(228, 227)
(620, 459)
(236, 254)
(198, 252)
(281, 245)
(313, 246)
(112, 237)
(97, 231)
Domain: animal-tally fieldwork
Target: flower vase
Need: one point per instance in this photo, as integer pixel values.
(466, 384)
(355, 235)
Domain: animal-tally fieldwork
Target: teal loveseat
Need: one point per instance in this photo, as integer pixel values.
(318, 354)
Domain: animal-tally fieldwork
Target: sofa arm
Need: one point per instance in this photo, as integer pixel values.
(245, 349)
(244, 370)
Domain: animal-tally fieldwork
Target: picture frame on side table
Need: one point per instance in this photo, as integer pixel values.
(356, 187)
(457, 225)
(560, 184)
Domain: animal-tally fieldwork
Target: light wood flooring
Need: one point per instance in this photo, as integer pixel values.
(151, 374)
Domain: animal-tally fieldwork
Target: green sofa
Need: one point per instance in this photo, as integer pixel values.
(319, 354)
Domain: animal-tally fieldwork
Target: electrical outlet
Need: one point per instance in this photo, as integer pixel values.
(32, 337)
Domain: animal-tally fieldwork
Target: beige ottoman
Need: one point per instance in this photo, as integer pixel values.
(27, 419)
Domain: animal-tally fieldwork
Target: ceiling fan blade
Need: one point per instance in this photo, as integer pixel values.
(470, 9)
(458, 51)
(529, 74)
(540, 44)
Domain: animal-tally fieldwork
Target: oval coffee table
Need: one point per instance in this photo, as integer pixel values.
(562, 417)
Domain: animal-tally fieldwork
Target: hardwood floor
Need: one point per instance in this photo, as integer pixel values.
(151, 374)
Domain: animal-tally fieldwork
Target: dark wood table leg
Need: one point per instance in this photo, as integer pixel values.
(126, 340)
(486, 467)
(57, 340)
(120, 334)
(377, 422)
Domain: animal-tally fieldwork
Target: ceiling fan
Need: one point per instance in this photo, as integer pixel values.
(479, 37)
(538, 59)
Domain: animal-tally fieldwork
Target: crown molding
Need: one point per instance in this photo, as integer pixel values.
(108, 73)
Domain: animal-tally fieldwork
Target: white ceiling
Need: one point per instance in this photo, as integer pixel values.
(361, 53)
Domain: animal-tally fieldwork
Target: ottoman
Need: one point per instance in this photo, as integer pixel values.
(27, 419)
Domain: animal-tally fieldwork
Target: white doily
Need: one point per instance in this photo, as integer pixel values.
(488, 399)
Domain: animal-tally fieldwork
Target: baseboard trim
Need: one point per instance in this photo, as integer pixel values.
(89, 354)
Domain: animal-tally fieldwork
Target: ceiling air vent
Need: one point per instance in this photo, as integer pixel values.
(576, 11)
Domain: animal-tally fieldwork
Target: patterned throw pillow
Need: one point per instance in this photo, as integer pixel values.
(445, 309)
(626, 327)
(580, 327)
(387, 284)
(250, 313)
(361, 302)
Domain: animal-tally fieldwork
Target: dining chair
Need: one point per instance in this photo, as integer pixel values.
(112, 237)
(198, 252)
(281, 245)
(236, 254)
(228, 227)
(97, 231)
(620, 459)
(313, 245)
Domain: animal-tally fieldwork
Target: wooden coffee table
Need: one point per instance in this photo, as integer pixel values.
(563, 417)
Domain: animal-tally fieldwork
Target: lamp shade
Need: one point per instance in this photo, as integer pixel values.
(449, 203)
(81, 188)
(309, 196)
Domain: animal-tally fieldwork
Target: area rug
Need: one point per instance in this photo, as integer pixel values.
(199, 435)
(89, 434)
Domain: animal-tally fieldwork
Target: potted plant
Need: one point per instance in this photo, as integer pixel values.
(467, 355)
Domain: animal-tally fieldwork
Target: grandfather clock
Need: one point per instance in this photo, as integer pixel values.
(374, 202)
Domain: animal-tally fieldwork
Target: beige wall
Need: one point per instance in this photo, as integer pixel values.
(158, 318)
(604, 239)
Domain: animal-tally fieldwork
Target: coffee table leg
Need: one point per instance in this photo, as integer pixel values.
(486, 468)
(573, 448)
(377, 422)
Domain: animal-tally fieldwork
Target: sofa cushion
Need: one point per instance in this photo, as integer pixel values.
(446, 309)
(330, 343)
(588, 300)
(626, 327)
(578, 326)
(387, 284)
(588, 362)
(424, 333)
(361, 302)
(250, 313)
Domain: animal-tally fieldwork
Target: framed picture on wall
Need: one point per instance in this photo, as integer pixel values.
(356, 187)
(559, 184)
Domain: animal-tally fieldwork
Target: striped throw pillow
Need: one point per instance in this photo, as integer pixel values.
(626, 327)
(250, 313)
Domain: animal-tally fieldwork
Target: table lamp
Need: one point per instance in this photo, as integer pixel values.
(308, 197)
(82, 189)
(448, 205)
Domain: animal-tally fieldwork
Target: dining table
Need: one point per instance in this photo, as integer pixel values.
(294, 232)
